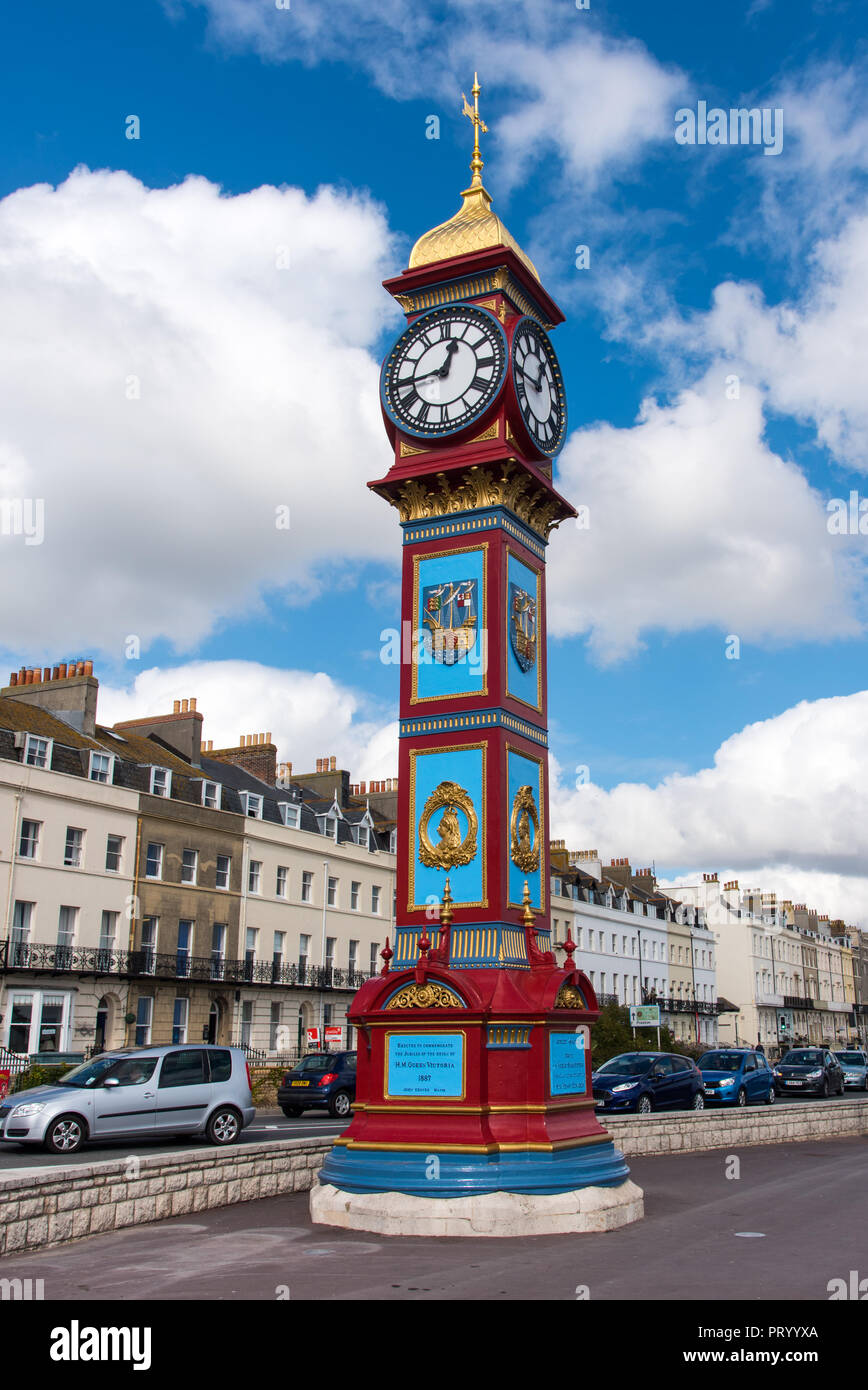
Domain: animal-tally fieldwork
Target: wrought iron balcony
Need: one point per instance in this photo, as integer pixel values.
(687, 1006)
(148, 964)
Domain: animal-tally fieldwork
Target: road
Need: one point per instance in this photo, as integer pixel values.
(791, 1221)
(267, 1125)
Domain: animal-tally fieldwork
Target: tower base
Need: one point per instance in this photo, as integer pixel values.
(586, 1210)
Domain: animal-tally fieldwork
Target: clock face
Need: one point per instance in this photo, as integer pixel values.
(539, 386)
(444, 371)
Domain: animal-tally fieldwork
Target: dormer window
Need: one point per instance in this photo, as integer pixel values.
(37, 751)
(251, 805)
(290, 814)
(161, 781)
(211, 795)
(102, 767)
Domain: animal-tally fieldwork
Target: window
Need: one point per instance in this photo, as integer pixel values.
(355, 889)
(277, 954)
(66, 923)
(224, 864)
(251, 805)
(290, 814)
(22, 915)
(354, 957)
(254, 876)
(37, 751)
(161, 781)
(393, 842)
(114, 846)
(330, 944)
(101, 767)
(107, 933)
(154, 861)
(375, 898)
(149, 945)
(74, 847)
(182, 958)
(28, 843)
(362, 836)
(250, 937)
(211, 795)
(189, 865)
(306, 886)
(282, 874)
(144, 1015)
(303, 952)
(246, 1022)
(273, 1028)
(218, 950)
(375, 951)
(191, 1072)
(333, 892)
(38, 1021)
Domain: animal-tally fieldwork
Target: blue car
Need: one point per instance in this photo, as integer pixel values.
(855, 1064)
(646, 1081)
(737, 1076)
(320, 1081)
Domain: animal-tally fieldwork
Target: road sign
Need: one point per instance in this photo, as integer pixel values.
(334, 1035)
(645, 1015)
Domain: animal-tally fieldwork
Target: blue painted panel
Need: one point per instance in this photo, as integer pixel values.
(522, 772)
(426, 1064)
(524, 685)
(464, 766)
(468, 1174)
(568, 1063)
(435, 679)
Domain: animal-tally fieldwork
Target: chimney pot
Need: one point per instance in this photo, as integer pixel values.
(13, 677)
(268, 737)
(289, 769)
(176, 707)
(184, 706)
(193, 703)
(333, 763)
(88, 667)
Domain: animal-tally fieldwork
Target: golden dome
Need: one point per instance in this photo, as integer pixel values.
(474, 226)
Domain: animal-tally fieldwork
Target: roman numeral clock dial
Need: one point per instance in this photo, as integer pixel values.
(539, 386)
(444, 371)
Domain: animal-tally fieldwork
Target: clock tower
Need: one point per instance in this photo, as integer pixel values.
(474, 1045)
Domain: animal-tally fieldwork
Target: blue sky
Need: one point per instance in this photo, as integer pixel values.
(707, 514)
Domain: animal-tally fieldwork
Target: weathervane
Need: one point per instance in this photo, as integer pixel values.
(478, 125)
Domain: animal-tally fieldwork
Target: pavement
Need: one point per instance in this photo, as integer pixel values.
(778, 1223)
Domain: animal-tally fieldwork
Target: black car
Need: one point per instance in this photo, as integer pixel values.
(322, 1080)
(645, 1081)
(810, 1071)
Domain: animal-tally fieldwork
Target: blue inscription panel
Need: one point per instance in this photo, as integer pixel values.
(568, 1063)
(425, 1064)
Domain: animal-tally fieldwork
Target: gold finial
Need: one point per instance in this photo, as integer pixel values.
(528, 916)
(446, 913)
(476, 165)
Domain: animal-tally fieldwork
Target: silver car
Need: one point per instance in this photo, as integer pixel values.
(136, 1093)
(855, 1064)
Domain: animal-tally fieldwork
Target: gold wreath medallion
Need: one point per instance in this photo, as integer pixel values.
(524, 840)
(452, 849)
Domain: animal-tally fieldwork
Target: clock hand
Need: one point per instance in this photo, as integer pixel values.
(441, 371)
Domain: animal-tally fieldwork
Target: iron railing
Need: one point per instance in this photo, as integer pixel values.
(92, 960)
(687, 1006)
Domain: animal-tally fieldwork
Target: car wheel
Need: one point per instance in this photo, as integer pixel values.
(644, 1107)
(339, 1105)
(770, 1098)
(741, 1098)
(824, 1094)
(65, 1135)
(224, 1126)
(698, 1102)
(291, 1112)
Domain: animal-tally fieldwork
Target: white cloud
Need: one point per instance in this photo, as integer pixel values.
(308, 714)
(257, 389)
(786, 797)
(694, 521)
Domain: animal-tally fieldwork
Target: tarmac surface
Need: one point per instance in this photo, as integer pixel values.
(779, 1223)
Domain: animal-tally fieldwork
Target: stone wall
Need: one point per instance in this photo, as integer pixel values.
(47, 1206)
